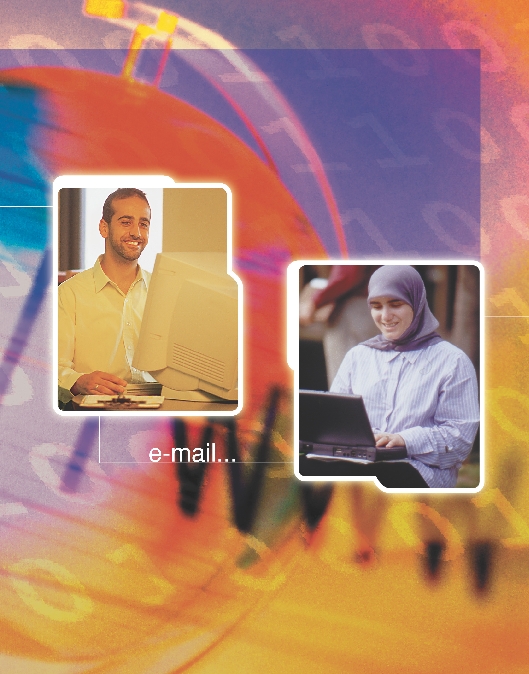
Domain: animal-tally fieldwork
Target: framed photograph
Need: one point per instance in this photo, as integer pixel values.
(147, 310)
(388, 372)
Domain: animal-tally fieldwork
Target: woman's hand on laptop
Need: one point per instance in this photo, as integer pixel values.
(389, 440)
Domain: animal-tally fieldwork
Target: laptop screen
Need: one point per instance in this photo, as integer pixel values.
(333, 419)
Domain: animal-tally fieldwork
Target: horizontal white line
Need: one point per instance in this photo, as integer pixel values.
(26, 206)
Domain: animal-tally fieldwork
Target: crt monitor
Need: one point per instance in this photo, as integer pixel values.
(189, 332)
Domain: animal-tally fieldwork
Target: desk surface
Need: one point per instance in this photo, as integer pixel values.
(168, 406)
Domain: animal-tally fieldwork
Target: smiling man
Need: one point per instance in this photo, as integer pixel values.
(100, 309)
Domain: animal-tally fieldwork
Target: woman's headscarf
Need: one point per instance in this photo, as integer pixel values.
(402, 282)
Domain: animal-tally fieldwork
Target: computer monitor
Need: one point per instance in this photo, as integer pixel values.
(189, 334)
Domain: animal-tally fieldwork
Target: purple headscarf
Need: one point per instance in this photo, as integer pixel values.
(402, 282)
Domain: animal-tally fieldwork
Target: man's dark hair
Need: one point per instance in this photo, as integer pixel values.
(121, 193)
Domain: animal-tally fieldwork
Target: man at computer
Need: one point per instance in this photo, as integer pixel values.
(419, 390)
(100, 309)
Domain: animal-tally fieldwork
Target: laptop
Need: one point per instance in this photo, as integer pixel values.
(336, 427)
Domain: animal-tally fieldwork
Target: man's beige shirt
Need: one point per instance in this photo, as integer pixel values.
(99, 327)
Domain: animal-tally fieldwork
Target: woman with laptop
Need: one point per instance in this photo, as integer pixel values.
(419, 390)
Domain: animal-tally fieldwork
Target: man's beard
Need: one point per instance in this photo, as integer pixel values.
(127, 252)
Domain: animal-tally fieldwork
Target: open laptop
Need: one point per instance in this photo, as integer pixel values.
(336, 427)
